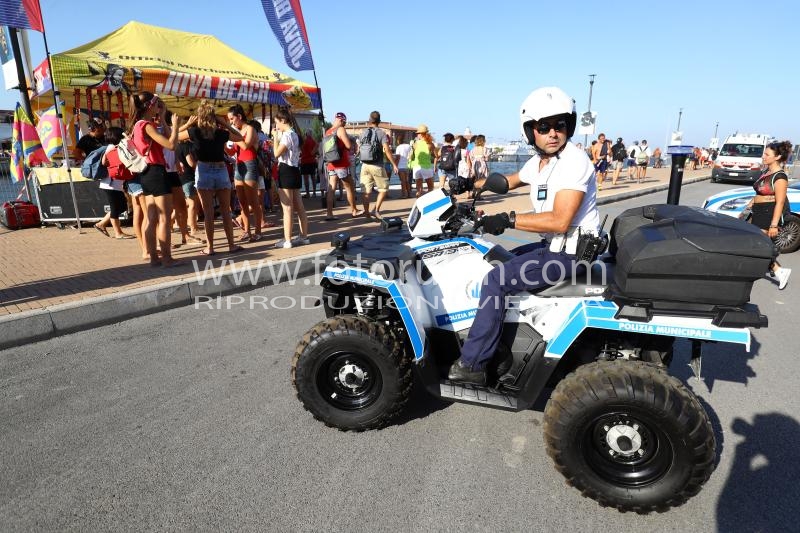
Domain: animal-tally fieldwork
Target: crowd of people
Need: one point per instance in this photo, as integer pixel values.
(223, 167)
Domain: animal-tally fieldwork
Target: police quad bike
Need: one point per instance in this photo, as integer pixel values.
(617, 425)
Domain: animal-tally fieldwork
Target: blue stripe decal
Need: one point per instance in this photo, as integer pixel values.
(364, 278)
(437, 204)
(481, 248)
(599, 314)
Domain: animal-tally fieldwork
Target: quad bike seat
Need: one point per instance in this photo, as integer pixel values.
(585, 282)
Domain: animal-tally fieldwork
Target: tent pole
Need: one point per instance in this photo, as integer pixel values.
(59, 116)
(321, 112)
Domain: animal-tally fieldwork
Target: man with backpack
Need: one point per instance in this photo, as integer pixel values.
(373, 145)
(336, 153)
(618, 155)
(448, 160)
(642, 159)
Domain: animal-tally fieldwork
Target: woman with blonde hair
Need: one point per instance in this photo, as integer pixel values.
(422, 160)
(478, 159)
(209, 134)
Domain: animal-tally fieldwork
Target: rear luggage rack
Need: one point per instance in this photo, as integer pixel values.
(721, 316)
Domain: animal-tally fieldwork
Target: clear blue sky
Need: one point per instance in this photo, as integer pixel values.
(457, 64)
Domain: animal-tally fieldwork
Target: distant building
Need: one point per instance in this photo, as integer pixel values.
(397, 133)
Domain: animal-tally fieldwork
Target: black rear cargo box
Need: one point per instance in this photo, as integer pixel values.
(687, 254)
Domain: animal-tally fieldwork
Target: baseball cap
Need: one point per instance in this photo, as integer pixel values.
(619, 139)
(341, 116)
(422, 128)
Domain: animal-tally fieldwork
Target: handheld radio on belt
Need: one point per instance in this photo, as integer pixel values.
(590, 246)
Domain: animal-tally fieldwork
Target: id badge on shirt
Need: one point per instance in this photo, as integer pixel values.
(541, 192)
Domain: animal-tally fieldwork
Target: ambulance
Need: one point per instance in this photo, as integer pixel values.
(739, 159)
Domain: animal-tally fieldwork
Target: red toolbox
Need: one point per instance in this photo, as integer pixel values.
(19, 214)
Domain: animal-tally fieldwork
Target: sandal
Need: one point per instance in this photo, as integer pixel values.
(206, 251)
(245, 238)
(195, 240)
(256, 237)
(235, 249)
(330, 219)
(102, 230)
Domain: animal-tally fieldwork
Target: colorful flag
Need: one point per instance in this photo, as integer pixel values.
(26, 148)
(286, 19)
(21, 14)
(50, 131)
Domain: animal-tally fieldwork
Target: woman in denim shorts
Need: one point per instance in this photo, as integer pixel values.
(209, 134)
(246, 173)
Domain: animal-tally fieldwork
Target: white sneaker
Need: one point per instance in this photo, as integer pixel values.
(283, 244)
(782, 275)
(300, 240)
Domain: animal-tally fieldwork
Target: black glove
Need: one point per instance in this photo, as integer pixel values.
(496, 224)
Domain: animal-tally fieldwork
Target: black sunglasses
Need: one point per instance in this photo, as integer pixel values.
(544, 127)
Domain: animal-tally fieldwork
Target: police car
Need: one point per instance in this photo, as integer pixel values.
(732, 202)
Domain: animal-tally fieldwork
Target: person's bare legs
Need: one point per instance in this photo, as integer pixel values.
(243, 218)
(224, 196)
(207, 203)
(332, 179)
(287, 207)
(139, 220)
(164, 229)
(151, 218)
(429, 182)
(251, 196)
(299, 208)
(379, 202)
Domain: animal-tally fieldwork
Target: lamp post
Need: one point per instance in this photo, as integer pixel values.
(716, 128)
(680, 112)
(589, 110)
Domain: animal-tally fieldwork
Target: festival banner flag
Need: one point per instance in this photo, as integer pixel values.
(286, 19)
(50, 131)
(26, 148)
(21, 14)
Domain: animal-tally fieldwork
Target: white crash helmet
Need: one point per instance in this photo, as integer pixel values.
(546, 102)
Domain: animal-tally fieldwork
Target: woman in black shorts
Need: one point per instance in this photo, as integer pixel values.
(771, 202)
(148, 108)
(287, 152)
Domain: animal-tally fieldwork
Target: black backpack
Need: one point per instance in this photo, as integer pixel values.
(619, 152)
(371, 150)
(447, 157)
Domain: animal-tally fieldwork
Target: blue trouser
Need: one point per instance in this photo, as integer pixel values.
(534, 267)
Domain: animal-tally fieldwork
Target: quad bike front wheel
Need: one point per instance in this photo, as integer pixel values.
(629, 436)
(351, 373)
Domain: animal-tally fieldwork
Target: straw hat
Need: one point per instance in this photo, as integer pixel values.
(422, 128)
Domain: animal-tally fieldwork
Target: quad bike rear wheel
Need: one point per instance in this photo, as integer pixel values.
(629, 436)
(351, 373)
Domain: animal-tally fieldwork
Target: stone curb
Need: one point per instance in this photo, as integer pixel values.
(41, 324)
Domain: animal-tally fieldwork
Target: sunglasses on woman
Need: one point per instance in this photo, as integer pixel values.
(544, 126)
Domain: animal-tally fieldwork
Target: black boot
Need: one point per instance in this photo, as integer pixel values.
(459, 372)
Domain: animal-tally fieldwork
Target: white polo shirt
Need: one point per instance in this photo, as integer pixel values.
(571, 170)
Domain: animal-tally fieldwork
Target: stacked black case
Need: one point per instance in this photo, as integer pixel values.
(686, 254)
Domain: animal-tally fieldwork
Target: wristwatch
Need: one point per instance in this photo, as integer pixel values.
(512, 219)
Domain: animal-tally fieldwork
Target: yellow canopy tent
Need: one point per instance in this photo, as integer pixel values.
(180, 67)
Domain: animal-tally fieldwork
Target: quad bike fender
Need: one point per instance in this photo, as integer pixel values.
(599, 314)
(401, 294)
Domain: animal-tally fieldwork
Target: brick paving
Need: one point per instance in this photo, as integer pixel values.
(43, 267)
